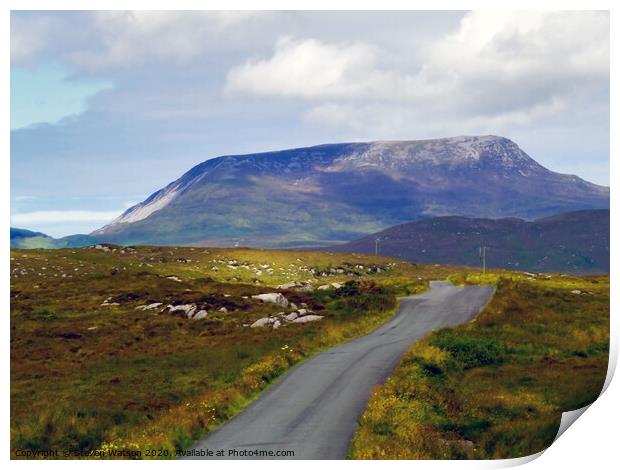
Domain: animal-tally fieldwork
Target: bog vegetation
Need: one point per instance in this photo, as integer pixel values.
(496, 387)
(100, 363)
(92, 368)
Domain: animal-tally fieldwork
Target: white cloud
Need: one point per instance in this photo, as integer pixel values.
(121, 38)
(497, 70)
(38, 217)
(307, 68)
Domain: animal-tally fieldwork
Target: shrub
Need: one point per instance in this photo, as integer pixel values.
(42, 313)
(470, 351)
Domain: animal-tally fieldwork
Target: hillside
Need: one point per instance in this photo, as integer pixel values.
(334, 193)
(574, 242)
(22, 238)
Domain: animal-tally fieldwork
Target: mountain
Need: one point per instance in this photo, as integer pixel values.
(338, 192)
(574, 242)
(22, 238)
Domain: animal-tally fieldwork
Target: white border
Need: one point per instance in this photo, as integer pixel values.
(589, 443)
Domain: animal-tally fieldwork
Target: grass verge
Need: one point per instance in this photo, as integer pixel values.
(496, 387)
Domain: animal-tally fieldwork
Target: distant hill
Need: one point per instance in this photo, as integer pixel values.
(22, 238)
(573, 242)
(339, 192)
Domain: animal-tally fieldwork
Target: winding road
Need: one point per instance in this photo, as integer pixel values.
(312, 409)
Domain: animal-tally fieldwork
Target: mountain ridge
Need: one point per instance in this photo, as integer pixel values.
(338, 192)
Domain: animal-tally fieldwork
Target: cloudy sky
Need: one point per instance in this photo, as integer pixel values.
(107, 107)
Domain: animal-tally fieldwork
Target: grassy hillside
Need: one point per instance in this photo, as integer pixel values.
(92, 370)
(27, 239)
(496, 387)
(573, 242)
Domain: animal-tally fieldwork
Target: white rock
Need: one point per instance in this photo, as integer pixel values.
(336, 285)
(308, 318)
(324, 287)
(576, 291)
(276, 324)
(302, 312)
(291, 316)
(224, 310)
(200, 315)
(174, 278)
(149, 306)
(260, 323)
(293, 306)
(189, 309)
(274, 298)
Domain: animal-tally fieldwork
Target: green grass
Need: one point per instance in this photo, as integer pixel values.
(90, 377)
(87, 377)
(495, 387)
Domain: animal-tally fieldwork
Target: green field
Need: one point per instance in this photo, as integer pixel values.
(496, 387)
(91, 370)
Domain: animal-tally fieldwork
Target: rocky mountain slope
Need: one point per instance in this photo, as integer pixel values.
(339, 192)
(574, 242)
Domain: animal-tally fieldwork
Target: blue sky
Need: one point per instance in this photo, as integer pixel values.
(108, 107)
(47, 92)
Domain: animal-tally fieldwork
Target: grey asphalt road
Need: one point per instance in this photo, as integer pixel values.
(312, 409)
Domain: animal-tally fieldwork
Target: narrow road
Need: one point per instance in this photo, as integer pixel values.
(312, 409)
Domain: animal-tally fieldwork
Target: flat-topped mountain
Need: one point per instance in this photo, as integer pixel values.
(574, 242)
(338, 192)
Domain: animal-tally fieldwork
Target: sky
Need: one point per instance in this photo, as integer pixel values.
(108, 107)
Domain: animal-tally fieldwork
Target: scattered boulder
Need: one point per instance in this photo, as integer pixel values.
(274, 298)
(200, 315)
(324, 287)
(106, 302)
(152, 306)
(174, 278)
(188, 309)
(576, 291)
(223, 310)
(276, 324)
(291, 316)
(308, 318)
(261, 322)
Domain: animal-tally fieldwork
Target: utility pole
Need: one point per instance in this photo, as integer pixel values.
(376, 246)
(483, 256)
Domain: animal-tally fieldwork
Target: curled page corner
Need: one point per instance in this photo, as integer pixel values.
(568, 418)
